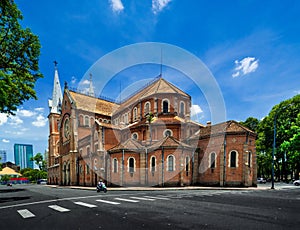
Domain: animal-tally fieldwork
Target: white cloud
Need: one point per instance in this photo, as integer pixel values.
(39, 109)
(116, 5)
(196, 110)
(5, 141)
(245, 66)
(3, 118)
(158, 5)
(15, 120)
(25, 113)
(40, 121)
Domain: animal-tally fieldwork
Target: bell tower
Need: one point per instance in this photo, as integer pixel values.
(54, 121)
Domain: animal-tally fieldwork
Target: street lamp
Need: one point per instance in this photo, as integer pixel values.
(274, 142)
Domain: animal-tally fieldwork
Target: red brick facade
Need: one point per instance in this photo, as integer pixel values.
(148, 140)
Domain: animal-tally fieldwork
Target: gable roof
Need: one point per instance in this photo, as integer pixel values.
(168, 142)
(92, 104)
(229, 127)
(159, 86)
(128, 145)
(9, 171)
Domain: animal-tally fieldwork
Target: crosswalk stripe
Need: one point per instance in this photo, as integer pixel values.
(141, 198)
(108, 202)
(157, 197)
(58, 208)
(85, 204)
(127, 200)
(25, 213)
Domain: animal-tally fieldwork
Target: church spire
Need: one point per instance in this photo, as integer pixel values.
(55, 102)
(91, 89)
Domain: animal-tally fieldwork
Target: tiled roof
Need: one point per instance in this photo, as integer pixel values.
(228, 127)
(168, 142)
(92, 104)
(160, 86)
(9, 171)
(129, 145)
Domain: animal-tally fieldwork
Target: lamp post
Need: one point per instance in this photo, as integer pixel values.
(274, 143)
(273, 152)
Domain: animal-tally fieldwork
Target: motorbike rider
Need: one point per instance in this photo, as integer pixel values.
(101, 184)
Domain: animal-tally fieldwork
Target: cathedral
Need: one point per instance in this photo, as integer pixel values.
(147, 139)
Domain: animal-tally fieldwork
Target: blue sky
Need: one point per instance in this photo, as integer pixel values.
(252, 48)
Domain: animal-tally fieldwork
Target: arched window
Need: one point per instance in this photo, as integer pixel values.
(187, 165)
(135, 113)
(170, 163)
(165, 106)
(87, 168)
(131, 165)
(87, 121)
(233, 159)
(95, 164)
(147, 107)
(182, 108)
(152, 164)
(134, 136)
(115, 165)
(249, 158)
(168, 133)
(81, 120)
(212, 160)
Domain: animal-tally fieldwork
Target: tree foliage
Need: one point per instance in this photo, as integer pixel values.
(20, 50)
(33, 174)
(5, 178)
(251, 123)
(39, 161)
(286, 118)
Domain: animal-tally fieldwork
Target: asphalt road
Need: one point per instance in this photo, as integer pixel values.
(43, 207)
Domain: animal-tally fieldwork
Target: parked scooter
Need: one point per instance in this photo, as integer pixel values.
(101, 187)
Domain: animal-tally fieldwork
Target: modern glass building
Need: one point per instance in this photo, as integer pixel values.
(22, 154)
(2, 156)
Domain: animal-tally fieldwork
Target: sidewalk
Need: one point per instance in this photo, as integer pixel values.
(163, 188)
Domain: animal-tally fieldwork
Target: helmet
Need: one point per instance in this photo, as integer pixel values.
(100, 180)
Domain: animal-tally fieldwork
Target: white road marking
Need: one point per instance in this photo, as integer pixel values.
(157, 197)
(141, 198)
(85, 204)
(61, 199)
(108, 202)
(58, 208)
(25, 213)
(127, 200)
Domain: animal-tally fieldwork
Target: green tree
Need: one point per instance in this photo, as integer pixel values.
(286, 158)
(292, 145)
(251, 123)
(39, 161)
(5, 178)
(20, 51)
(32, 174)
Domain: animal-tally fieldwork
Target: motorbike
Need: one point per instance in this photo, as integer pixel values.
(101, 188)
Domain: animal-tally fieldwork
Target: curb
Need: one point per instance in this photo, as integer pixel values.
(161, 189)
